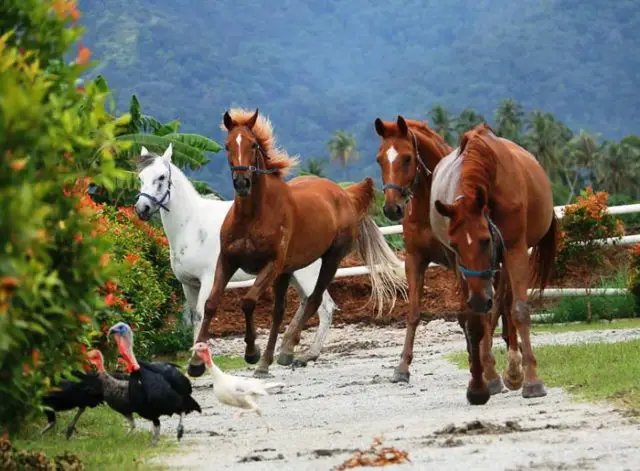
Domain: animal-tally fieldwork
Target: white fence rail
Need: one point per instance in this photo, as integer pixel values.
(549, 292)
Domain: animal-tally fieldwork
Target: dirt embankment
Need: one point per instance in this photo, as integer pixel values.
(440, 298)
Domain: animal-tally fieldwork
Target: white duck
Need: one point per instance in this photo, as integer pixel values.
(235, 391)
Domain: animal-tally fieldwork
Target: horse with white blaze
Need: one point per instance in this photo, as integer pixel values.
(192, 224)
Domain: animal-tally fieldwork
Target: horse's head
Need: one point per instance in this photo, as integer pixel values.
(155, 183)
(245, 155)
(398, 160)
(477, 243)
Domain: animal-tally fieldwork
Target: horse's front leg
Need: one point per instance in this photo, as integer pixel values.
(517, 261)
(415, 266)
(280, 287)
(224, 271)
(264, 279)
(477, 390)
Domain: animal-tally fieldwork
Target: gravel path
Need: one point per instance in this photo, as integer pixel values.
(339, 404)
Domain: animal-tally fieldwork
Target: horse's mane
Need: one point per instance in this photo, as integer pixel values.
(276, 157)
(478, 149)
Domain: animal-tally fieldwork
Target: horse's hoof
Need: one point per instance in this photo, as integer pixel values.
(285, 359)
(512, 384)
(180, 432)
(196, 371)
(299, 363)
(252, 359)
(258, 373)
(478, 397)
(495, 386)
(532, 390)
(400, 376)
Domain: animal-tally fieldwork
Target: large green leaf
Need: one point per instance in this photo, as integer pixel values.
(168, 128)
(196, 141)
(183, 154)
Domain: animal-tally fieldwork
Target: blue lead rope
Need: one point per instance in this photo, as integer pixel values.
(498, 245)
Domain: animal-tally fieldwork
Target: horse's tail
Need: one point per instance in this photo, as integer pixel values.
(362, 194)
(544, 256)
(386, 270)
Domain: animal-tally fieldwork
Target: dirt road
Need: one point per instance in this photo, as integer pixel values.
(339, 404)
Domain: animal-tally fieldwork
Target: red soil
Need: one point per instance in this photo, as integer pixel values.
(441, 297)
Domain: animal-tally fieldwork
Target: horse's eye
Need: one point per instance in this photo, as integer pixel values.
(256, 145)
(406, 160)
(484, 243)
(161, 178)
(226, 147)
(453, 246)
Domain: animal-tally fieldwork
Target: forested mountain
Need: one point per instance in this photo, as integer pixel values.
(319, 66)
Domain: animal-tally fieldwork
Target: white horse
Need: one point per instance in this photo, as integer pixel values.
(192, 224)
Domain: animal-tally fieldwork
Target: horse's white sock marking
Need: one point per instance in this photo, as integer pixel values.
(469, 239)
(238, 141)
(392, 154)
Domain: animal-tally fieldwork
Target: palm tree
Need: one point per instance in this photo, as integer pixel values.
(342, 147)
(443, 123)
(546, 138)
(313, 166)
(582, 153)
(509, 118)
(619, 168)
(466, 120)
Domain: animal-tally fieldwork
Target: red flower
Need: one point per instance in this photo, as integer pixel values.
(104, 259)
(84, 54)
(131, 258)
(84, 319)
(110, 299)
(78, 237)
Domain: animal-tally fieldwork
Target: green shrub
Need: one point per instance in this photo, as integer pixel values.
(633, 283)
(576, 309)
(52, 137)
(145, 292)
(583, 223)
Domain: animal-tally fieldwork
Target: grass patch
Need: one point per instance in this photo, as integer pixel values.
(101, 441)
(579, 327)
(597, 371)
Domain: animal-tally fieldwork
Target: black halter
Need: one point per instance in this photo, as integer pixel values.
(252, 168)
(498, 246)
(407, 191)
(159, 203)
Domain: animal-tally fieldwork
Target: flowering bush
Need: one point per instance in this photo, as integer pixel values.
(583, 223)
(144, 292)
(53, 137)
(634, 275)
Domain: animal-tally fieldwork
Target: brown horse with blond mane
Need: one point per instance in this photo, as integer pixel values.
(409, 152)
(275, 228)
(492, 201)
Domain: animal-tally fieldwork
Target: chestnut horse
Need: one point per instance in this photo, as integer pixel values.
(409, 151)
(275, 228)
(492, 202)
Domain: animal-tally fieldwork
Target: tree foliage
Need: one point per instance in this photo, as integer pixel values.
(53, 138)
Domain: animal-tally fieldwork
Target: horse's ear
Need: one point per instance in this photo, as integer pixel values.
(481, 199)
(144, 152)
(252, 122)
(228, 121)
(168, 153)
(444, 209)
(380, 128)
(403, 127)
